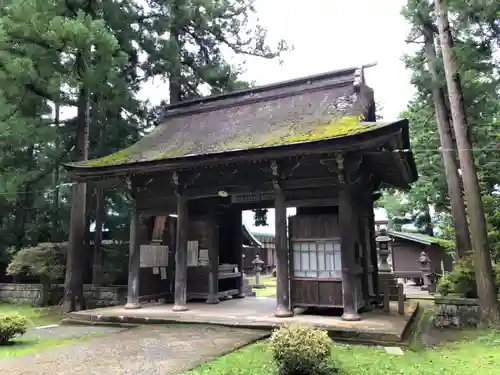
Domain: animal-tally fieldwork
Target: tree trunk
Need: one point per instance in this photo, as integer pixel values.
(24, 204)
(428, 227)
(175, 76)
(97, 259)
(73, 284)
(55, 199)
(458, 215)
(44, 291)
(175, 83)
(488, 304)
(99, 219)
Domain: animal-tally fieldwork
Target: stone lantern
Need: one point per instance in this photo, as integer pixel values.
(257, 264)
(387, 281)
(384, 250)
(429, 277)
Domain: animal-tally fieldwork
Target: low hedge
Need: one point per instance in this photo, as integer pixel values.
(11, 326)
(300, 350)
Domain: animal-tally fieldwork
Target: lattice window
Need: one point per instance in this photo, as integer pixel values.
(317, 259)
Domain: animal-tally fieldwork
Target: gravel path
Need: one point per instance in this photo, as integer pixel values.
(147, 350)
(68, 332)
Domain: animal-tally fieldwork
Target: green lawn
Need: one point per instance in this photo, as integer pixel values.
(25, 346)
(467, 356)
(36, 317)
(268, 281)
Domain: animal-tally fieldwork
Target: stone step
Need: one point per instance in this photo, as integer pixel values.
(339, 332)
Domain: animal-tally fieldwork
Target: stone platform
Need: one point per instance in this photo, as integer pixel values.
(257, 312)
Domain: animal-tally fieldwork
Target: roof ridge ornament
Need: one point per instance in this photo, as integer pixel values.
(359, 78)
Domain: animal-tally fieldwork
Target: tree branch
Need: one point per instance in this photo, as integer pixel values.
(55, 164)
(36, 89)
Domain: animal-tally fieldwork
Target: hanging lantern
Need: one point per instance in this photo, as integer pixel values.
(260, 217)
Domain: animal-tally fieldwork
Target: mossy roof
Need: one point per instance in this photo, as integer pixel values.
(307, 111)
(422, 238)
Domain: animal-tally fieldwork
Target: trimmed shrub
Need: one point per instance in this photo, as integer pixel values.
(462, 279)
(300, 350)
(11, 326)
(45, 261)
(273, 273)
(444, 286)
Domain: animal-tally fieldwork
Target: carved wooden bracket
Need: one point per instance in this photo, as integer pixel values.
(275, 174)
(131, 192)
(175, 178)
(340, 165)
(347, 167)
(359, 79)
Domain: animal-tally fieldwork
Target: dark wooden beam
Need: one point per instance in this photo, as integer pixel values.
(309, 171)
(237, 222)
(361, 224)
(213, 264)
(283, 309)
(212, 191)
(347, 244)
(180, 290)
(373, 249)
(134, 259)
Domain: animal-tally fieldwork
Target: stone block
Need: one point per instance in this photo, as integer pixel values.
(456, 312)
(95, 295)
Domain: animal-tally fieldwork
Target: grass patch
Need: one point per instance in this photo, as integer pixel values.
(465, 354)
(23, 346)
(36, 316)
(268, 281)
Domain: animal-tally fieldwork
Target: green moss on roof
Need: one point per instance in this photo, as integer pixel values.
(299, 133)
(130, 153)
(288, 133)
(114, 158)
(445, 244)
(261, 234)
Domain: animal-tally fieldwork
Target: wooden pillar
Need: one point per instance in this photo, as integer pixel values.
(348, 244)
(171, 242)
(365, 252)
(282, 268)
(237, 223)
(134, 260)
(213, 265)
(180, 290)
(373, 252)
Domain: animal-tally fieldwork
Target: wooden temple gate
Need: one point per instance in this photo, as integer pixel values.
(310, 143)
